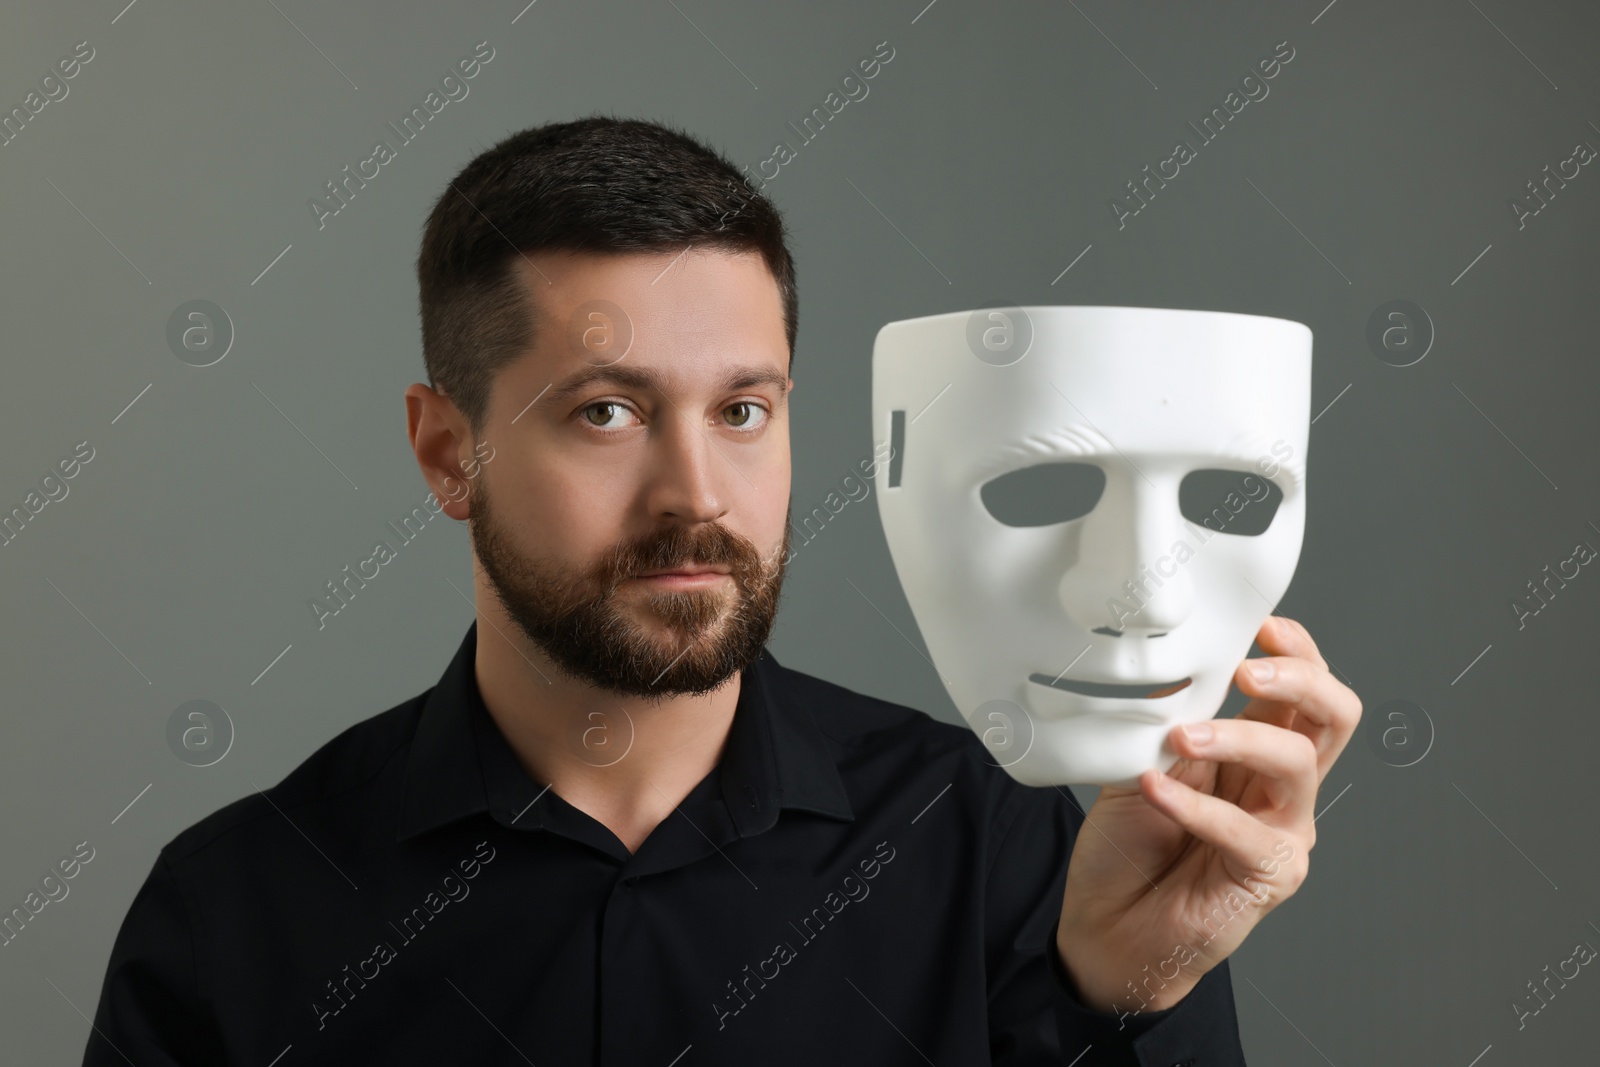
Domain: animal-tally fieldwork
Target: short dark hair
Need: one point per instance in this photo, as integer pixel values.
(600, 184)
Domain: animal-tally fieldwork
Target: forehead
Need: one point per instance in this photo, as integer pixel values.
(1177, 408)
(694, 294)
(1097, 382)
(680, 323)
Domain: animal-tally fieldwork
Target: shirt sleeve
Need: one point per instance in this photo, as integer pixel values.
(150, 1011)
(1035, 1016)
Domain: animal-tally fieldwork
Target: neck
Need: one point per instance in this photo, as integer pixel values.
(625, 761)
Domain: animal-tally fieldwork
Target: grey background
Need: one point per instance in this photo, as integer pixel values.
(1380, 166)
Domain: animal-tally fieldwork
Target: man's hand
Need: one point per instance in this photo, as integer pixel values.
(1167, 879)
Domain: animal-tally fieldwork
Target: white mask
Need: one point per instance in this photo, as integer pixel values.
(1142, 397)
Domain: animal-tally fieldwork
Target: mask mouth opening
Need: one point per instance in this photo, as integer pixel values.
(1111, 690)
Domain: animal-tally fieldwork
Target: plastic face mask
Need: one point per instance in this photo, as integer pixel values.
(1088, 504)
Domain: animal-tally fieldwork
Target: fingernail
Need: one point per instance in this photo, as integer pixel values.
(1261, 669)
(1198, 732)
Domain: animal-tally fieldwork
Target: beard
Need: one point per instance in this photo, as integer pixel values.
(598, 628)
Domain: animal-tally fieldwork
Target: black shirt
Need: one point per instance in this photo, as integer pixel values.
(854, 883)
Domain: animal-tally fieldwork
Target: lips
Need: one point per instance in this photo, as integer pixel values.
(1121, 700)
(1113, 690)
(686, 572)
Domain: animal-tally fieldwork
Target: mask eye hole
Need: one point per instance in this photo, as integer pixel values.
(1044, 494)
(1226, 501)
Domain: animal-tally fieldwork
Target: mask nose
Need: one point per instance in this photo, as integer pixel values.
(1126, 581)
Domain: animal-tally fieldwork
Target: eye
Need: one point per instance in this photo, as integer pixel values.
(1225, 501)
(1044, 494)
(602, 406)
(746, 412)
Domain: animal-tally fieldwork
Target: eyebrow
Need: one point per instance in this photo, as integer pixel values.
(640, 378)
(1080, 441)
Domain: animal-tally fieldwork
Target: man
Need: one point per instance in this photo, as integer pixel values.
(618, 831)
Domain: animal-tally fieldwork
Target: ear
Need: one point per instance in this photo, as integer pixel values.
(443, 443)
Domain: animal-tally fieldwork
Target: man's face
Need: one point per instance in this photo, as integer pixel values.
(647, 431)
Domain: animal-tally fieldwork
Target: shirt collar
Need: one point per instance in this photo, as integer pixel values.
(459, 762)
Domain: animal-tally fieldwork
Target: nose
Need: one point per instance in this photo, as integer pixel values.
(685, 472)
(1125, 579)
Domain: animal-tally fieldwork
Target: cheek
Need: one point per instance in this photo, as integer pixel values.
(547, 512)
(1267, 560)
(1222, 567)
(573, 518)
(956, 572)
(776, 506)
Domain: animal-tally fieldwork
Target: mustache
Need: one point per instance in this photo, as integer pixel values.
(681, 546)
(665, 548)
